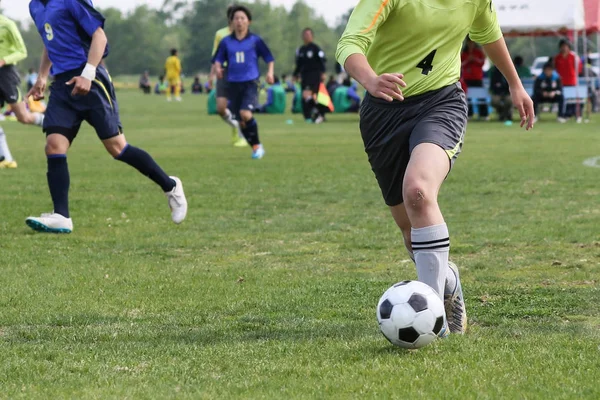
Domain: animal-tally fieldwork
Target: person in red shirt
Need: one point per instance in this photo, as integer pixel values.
(566, 62)
(473, 58)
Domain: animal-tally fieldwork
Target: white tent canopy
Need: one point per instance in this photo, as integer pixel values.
(540, 16)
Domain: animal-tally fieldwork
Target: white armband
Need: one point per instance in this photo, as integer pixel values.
(89, 72)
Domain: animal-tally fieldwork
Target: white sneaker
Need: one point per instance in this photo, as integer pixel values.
(319, 119)
(579, 120)
(177, 201)
(258, 153)
(51, 223)
(177, 98)
(561, 120)
(169, 99)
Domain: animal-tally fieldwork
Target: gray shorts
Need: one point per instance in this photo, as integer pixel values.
(391, 131)
(10, 83)
(223, 86)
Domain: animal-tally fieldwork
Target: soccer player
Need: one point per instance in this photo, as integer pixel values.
(173, 74)
(241, 51)
(82, 90)
(237, 138)
(413, 119)
(310, 69)
(12, 50)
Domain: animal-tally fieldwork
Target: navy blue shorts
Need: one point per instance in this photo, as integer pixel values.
(99, 107)
(242, 96)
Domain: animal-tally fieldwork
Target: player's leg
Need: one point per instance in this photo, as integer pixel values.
(177, 89)
(26, 117)
(248, 95)
(59, 181)
(170, 89)
(237, 138)
(103, 115)
(6, 160)
(435, 143)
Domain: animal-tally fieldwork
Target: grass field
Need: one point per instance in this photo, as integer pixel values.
(268, 289)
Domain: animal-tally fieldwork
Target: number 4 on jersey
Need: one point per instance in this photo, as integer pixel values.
(427, 64)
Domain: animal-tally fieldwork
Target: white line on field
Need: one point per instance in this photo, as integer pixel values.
(593, 162)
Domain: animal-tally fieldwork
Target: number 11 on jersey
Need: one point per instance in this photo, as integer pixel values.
(426, 65)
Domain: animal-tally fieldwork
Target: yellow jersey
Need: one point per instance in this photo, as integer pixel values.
(173, 67)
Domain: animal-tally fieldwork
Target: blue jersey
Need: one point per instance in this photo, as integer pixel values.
(242, 56)
(66, 27)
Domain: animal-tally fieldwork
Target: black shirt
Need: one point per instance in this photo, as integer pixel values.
(310, 60)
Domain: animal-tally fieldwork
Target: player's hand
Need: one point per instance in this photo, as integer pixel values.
(81, 86)
(387, 87)
(219, 71)
(37, 91)
(2, 63)
(270, 79)
(522, 101)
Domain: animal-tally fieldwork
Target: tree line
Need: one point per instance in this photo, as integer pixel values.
(141, 39)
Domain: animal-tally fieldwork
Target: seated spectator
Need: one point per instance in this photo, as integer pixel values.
(331, 85)
(473, 59)
(345, 98)
(548, 89)
(145, 82)
(161, 86)
(197, 86)
(276, 99)
(31, 78)
(289, 84)
(501, 99)
(523, 71)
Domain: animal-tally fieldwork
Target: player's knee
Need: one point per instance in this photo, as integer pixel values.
(115, 145)
(56, 144)
(418, 196)
(246, 115)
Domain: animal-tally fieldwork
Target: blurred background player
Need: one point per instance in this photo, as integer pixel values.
(12, 50)
(414, 117)
(310, 69)
(548, 88)
(173, 74)
(241, 51)
(82, 90)
(237, 138)
(276, 99)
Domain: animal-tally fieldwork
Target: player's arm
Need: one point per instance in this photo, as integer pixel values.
(486, 30)
(264, 51)
(92, 23)
(322, 63)
(219, 59)
(356, 40)
(298, 65)
(20, 51)
(39, 88)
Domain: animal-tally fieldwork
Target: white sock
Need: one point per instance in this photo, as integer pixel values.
(229, 120)
(431, 247)
(39, 119)
(4, 150)
(450, 276)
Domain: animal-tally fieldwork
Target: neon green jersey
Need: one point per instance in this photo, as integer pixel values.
(221, 33)
(421, 39)
(12, 47)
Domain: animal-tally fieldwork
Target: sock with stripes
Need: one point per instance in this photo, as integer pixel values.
(431, 248)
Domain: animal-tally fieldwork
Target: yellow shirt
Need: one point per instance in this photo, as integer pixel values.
(421, 39)
(221, 33)
(12, 47)
(173, 67)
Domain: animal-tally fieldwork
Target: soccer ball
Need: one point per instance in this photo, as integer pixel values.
(410, 314)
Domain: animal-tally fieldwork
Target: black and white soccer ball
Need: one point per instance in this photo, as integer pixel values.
(410, 314)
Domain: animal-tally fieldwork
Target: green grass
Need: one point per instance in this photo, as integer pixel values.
(268, 289)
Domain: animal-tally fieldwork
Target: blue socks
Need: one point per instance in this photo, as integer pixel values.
(144, 163)
(250, 132)
(59, 182)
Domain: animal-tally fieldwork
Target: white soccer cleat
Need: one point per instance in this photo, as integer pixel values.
(50, 223)
(177, 201)
(454, 303)
(178, 99)
(561, 120)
